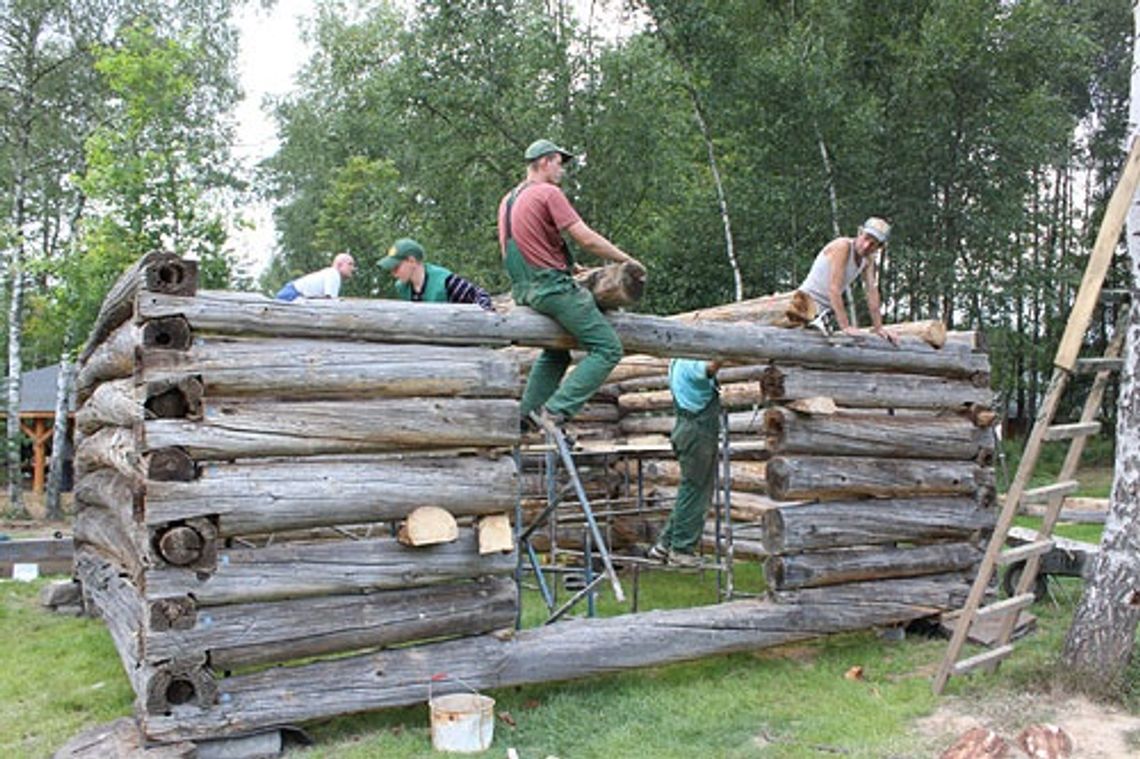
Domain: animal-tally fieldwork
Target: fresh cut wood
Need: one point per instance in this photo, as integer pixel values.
(614, 285)
(495, 534)
(428, 526)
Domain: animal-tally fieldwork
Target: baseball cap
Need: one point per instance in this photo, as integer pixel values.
(877, 228)
(539, 148)
(403, 248)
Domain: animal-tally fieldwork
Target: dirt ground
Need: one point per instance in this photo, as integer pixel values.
(36, 526)
(1097, 732)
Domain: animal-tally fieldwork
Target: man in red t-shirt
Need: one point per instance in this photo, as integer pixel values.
(532, 218)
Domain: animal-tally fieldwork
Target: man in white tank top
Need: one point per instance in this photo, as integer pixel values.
(836, 267)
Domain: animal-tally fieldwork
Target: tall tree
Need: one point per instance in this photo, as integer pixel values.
(1102, 637)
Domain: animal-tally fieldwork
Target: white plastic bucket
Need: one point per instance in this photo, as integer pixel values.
(462, 723)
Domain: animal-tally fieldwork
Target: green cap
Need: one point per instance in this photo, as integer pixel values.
(403, 248)
(539, 148)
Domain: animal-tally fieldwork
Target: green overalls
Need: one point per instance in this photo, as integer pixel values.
(555, 293)
(694, 441)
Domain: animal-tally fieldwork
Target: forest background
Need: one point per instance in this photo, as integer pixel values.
(722, 143)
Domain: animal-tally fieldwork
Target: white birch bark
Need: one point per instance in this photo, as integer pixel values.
(59, 443)
(1102, 635)
(15, 490)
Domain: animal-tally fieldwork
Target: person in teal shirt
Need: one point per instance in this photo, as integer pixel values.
(696, 404)
(419, 281)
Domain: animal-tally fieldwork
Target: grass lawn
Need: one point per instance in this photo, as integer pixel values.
(62, 675)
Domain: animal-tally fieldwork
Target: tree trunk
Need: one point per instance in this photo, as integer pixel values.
(15, 370)
(1099, 645)
(60, 446)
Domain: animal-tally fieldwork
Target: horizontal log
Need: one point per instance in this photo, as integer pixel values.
(614, 285)
(112, 404)
(234, 429)
(282, 571)
(156, 271)
(937, 592)
(832, 477)
(112, 359)
(125, 542)
(834, 524)
(912, 436)
(112, 448)
(568, 650)
(930, 331)
(739, 423)
(747, 476)
(111, 490)
(280, 631)
(271, 496)
(790, 309)
(875, 390)
(386, 321)
(310, 369)
(810, 570)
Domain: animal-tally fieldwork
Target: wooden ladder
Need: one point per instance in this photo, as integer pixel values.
(1065, 364)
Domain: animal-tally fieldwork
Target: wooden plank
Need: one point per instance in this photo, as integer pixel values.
(1097, 365)
(1022, 552)
(262, 496)
(1069, 431)
(282, 571)
(1107, 237)
(1046, 492)
(986, 657)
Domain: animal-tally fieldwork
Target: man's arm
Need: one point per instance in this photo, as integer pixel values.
(874, 304)
(589, 240)
(837, 252)
(460, 290)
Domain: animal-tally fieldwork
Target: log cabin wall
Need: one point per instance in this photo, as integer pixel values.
(243, 462)
(237, 493)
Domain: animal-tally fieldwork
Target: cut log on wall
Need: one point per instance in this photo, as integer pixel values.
(428, 526)
(270, 496)
(831, 477)
(123, 542)
(156, 271)
(874, 390)
(111, 404)
(732, 395)
(295, 571)
(568, 650)
(234, 313)
(311, 369)
(791, 309)
(614, 285)
(251, 429)
(113, 448)
(279, 631)
(919, 437)
(114, 358)
(833, 524)
(495, 533)
(638, 365)
(809, 570)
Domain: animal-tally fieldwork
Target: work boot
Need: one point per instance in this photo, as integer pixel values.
(551, 423)
(658, 552)
(684, 560)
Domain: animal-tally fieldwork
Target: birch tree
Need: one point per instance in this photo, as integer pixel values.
(1102, 636)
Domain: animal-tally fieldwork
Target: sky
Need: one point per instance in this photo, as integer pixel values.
(271, 54)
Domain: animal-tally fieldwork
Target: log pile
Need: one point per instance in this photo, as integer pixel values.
(239, 494)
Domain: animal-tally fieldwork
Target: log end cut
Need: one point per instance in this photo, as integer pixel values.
(428, 526)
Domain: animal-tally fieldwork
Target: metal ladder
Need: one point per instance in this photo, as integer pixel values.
(561, 447)
(1065, 364)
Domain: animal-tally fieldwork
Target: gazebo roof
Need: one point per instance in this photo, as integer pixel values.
(38, 389)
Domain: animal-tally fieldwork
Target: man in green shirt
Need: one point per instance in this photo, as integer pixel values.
(419, 281)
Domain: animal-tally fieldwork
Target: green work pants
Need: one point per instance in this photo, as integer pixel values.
(694, 440)
(556, 294)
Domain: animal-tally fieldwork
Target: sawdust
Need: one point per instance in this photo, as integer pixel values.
(1098, 732)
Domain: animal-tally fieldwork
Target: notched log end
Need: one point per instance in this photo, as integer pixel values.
(171, 275)
(173, 614)
(192, 544)
(772, 384)
(171, 465)
(175, 685)
(167, 333)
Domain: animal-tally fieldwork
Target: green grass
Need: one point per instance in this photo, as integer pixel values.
(62, 675)
(1094, 472)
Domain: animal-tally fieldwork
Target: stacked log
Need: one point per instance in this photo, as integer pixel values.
(237, 493)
